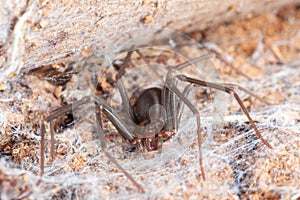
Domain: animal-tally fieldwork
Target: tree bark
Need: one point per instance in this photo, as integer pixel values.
(34, 34)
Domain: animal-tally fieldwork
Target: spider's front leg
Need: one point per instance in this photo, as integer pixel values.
(125, 132)
(170, 84)
(173, 90)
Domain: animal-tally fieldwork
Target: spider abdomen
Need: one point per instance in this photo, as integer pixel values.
(148, 106)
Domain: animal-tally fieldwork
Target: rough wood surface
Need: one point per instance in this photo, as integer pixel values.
(237, 164)
(38, 33)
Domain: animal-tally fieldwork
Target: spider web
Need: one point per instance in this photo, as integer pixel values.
(236, 162)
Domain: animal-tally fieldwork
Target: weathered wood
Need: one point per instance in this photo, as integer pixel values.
(42, 33)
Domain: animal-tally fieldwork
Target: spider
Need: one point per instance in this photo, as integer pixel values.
(154, 113)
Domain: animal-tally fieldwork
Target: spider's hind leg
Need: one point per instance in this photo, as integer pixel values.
(230, 89)
(50, 119)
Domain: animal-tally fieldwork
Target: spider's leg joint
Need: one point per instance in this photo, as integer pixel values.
(181, 77)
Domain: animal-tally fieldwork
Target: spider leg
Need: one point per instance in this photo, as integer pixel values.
(42, 155)
(67, 108)
(122, 69)
(234, 87)
(116, 120)
(148, 63)
(121, 87)
(228, 88)
(52, 140)
(110, 113)
(193, 61)
(100, 108)
(125, 99)
(124, 130)
(171, 85)
(188, 88)
(55, 113)
(174, 107)
(180, 104)
(52, 153)
(169, 102)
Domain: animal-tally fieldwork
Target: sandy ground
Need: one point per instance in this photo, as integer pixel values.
(260, 53)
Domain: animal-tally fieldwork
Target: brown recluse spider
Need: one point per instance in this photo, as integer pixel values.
(154, 113)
